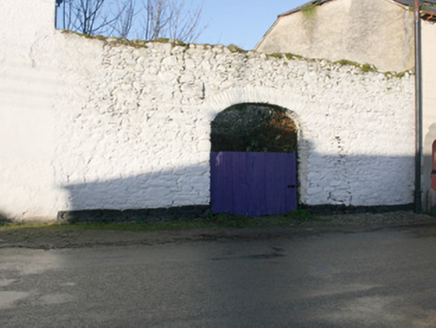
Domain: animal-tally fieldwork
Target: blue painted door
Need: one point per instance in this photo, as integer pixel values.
(253, 184)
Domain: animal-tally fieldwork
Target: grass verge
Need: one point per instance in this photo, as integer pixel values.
(290, 219)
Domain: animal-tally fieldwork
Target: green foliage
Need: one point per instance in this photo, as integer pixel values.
(293, 218)
(173, 42)
(368, 68)
(231, 221)
(300, 215)
(290, 56)
(309, 9)
(425, 7)
(234, 48)
(365, 68)
(344, 62)
(254, 128)
(162, 40)
(290, 219)
(399, 75)
(123, 41)
(144, 225)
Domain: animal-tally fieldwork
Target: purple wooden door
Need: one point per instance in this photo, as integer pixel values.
(253, 183)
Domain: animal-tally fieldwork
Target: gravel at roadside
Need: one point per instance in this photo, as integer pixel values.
(71, 237)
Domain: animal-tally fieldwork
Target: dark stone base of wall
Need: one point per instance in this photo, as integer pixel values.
(342, 209)
(4, 219)
(153, 214)
(202, 211)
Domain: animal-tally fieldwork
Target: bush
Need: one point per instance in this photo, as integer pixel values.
(254, 128)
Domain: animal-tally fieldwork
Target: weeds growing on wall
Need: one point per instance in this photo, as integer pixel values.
(234, 48)
(365, 68)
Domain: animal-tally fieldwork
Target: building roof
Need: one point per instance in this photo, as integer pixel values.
(428, 7)
(314, 2)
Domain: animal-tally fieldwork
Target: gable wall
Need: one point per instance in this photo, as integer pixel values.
(378, 32)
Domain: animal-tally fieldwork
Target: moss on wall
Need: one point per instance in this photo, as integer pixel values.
(364, 68)
(309, 9)
(126, 42)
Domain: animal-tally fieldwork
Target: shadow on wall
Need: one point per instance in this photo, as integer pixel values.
(173, 194)
(336, 181)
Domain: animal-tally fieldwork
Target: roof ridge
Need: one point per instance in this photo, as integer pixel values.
(321, 2)
(313, 2)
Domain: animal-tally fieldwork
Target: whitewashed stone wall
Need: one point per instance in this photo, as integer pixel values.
(28, 82)
(141, 118)
(129, 126)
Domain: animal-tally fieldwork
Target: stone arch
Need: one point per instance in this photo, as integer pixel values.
(254, 127)
(293, 106)
(263, 95)
(286, 98)
(283, 98)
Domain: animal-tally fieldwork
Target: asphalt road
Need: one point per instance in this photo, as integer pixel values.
(384, 278)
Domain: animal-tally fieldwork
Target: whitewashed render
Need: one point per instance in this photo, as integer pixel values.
(376, 32)
(95, 124)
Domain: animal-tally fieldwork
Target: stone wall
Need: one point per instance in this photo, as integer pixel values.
(128, 125)
(28, 82)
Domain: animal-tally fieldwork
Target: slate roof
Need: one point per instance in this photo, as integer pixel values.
(429, 6)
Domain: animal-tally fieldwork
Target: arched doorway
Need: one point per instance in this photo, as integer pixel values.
(253, 161)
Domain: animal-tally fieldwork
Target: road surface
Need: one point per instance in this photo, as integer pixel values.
(383, 278)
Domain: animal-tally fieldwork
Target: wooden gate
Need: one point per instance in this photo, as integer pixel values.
(253, 184)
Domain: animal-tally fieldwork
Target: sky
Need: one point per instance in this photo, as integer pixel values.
(240, 22)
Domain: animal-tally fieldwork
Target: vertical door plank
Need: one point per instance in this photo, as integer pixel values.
(253, 183)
